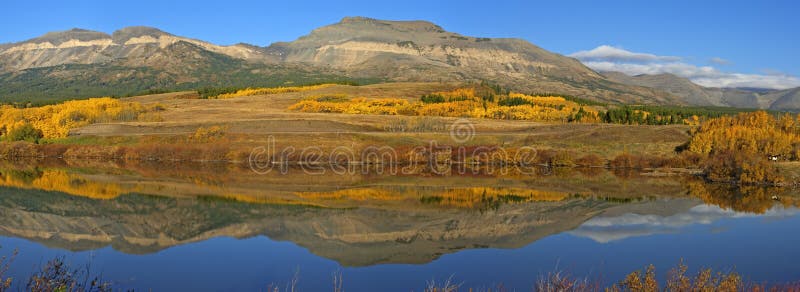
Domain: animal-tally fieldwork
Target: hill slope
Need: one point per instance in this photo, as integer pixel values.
(81, 63)
(423, 51)
(691, 93)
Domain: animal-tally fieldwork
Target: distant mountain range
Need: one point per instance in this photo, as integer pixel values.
(694, 94)
(81, 63)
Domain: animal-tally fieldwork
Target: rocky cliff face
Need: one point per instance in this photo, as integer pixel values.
(138, 46)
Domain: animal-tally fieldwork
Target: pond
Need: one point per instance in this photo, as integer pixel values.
(223, 228)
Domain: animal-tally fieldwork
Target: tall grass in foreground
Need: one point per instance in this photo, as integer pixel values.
(57, 275)
(638, 281)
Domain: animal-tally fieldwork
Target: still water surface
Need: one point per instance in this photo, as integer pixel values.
(225, 230)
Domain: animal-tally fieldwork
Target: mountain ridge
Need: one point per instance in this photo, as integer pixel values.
(355, 48)
(695, 94)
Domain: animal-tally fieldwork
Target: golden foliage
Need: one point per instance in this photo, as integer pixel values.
(705, 280)
(363, 106)
(270, 90)
(210, 134)
(756, 133)
(461, 102)
(55, 121)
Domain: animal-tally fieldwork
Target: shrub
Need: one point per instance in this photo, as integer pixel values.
(591, 160)
(210, 134)
(686, 159)
(742, 168)
(626, 160)
(623, 160)
(55, 121)
(24, 132)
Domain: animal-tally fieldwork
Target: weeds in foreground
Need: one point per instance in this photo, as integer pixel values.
(560, 282)
(338, 281)
(57, 275)
(446, 286)
(5, 263)
(291, 285)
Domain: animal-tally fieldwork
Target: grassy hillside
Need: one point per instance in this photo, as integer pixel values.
(49, 85)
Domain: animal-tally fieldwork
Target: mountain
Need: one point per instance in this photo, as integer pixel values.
(693, 94)
(133, 46)
(423, 51)
(788, 99)
(81, 63)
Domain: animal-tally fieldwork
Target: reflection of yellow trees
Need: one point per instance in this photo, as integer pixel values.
(61, 180)
(486, 197)
(754, 199)
(266, 200)
(65, 182)
(55, 121)
(462, 102)
(478, 197)
(360, 194)
(271, 90)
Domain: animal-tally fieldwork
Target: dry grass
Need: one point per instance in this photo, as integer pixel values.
(256, 116)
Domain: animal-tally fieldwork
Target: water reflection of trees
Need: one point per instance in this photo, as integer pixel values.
(490, 189)
(753, 199)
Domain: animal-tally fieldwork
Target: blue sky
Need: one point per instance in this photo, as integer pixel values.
(752, 37)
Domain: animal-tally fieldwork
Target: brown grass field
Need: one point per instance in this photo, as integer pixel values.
(253, 118)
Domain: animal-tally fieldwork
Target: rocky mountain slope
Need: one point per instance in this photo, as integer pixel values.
(81, 63)
(132, 46)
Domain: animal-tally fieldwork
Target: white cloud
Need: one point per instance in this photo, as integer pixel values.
(607, 58)
(610, 53)
(720, 61)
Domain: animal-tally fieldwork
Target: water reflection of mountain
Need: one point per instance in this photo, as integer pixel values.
(611, 227)
(357, 221)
